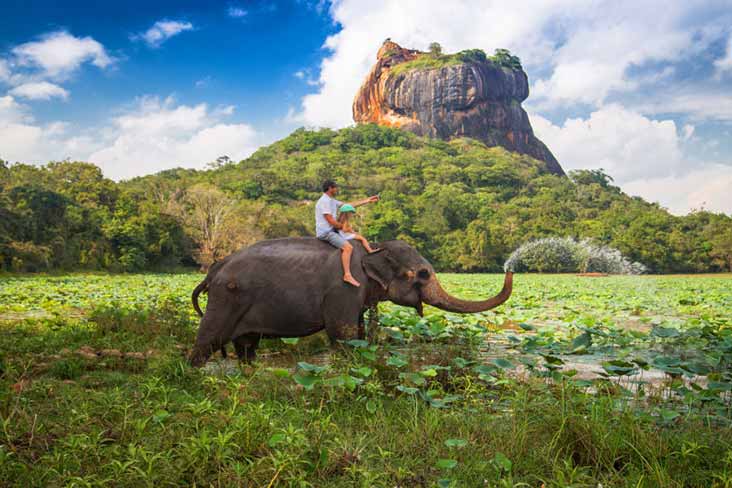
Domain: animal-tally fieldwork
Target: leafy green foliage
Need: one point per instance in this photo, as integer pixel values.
(436, 59)
(95, 389)
(465, 206)
(435, 49)
(67, 215)
(472, 56)
(504, 58)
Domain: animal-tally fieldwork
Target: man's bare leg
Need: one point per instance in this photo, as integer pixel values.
(346, 252)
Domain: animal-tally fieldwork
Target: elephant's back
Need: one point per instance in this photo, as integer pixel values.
(283, 280)
(289, 246)
(299, 261)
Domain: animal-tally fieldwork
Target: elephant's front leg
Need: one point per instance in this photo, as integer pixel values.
(342, 330)
(341, 314)
(373, 323)
(361, 326)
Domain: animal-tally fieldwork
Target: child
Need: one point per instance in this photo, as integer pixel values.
(347, 232)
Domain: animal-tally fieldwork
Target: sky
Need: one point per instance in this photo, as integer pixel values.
(642, 89)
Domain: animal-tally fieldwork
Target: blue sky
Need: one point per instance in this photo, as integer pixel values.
(640, 88)
(246, 61)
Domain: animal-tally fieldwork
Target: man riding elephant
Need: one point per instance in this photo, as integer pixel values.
(291, 287)
(326, 226)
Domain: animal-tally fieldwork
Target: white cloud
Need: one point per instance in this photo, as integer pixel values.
(699, 103)
(625, 143)
(151, 136)
(40, 90)
(236, 12)
(4, 71)
(306, 76)
(161, 31)
(578, 52)
(22, 139)
(707, 187)
(604, 43)
(157, 135)
(644, 156)
(724, 63)
(293, 117)
(59, 54)
(11, 111)
(203, 82)
(688, 131)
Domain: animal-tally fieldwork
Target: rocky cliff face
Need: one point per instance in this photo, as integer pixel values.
(477, 99)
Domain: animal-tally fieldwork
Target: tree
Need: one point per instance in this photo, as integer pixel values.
(504, 58)
(435, 49)
(589, 176)
(721, 251)
(215, 222)
(220, 162)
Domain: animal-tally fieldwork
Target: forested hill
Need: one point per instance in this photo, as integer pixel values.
(463, 205)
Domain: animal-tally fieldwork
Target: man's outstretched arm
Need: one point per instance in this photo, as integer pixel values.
(365, 201)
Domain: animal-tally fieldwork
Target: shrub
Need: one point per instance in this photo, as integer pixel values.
(435, 49)
(504, 58)
(566, 255)
(67, 369)
(472, 56)
(27, 256)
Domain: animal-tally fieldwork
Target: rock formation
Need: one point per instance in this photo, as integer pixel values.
(475, 98)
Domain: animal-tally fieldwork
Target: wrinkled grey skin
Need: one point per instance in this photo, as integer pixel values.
(292, 287)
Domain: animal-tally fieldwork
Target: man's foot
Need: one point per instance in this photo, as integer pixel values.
(351, 280)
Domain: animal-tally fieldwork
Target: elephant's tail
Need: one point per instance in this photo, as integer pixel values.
(202, 286)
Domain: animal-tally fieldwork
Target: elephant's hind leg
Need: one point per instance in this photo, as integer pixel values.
(246, 347)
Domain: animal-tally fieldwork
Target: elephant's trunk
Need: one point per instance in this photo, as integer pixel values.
(433, 294)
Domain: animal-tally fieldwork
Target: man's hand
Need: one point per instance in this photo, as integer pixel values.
(333, 222)
(365, 201)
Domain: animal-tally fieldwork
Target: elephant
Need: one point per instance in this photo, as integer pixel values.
(292, 287)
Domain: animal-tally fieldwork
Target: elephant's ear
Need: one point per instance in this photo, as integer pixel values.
(379, 266)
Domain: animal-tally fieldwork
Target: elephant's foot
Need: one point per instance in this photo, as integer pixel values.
(246, 347)
(342, 333)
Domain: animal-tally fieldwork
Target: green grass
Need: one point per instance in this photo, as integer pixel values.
(426, 61)
(469, 56)
(94, 390)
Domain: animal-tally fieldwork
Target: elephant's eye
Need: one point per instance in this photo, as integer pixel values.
(423, 274)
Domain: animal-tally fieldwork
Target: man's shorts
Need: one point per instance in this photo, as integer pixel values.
(334, 239)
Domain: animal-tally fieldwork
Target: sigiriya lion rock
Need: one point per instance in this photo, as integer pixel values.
(466, 94)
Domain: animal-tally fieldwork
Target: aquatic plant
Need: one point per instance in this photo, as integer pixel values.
(567, 255)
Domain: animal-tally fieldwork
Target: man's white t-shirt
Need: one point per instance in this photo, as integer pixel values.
(325, 205)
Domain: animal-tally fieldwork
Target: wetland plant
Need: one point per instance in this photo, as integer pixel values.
(567, 255)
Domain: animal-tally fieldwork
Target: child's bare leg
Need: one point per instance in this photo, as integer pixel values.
(365, 243)
(346, 252)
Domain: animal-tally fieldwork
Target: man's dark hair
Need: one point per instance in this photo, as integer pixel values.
(328, 184)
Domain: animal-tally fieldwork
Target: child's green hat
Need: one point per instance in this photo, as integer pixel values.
(347, 208)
